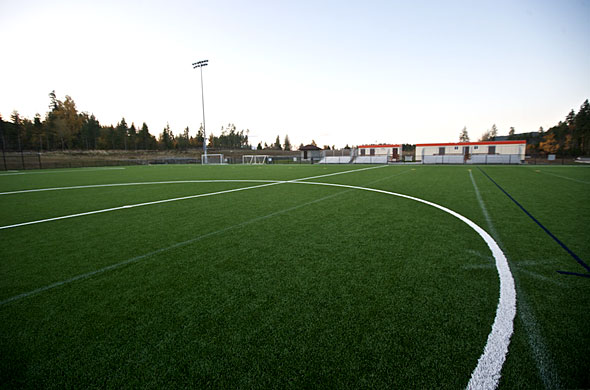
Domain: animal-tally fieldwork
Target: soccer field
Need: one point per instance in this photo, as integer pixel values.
(295, 276)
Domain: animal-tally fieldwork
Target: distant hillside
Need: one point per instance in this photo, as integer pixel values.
(568, 138)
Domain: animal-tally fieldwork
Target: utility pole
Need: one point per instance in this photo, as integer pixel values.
(201, 64)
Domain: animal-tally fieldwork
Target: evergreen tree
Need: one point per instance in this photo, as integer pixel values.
(122, 134)
(17, 125)
(277, 144)
(146, 140)
(464, 136)
(511, 133)
(38, 132)
(132, 132)
(287, 143)
(197, 142)
(166, 140)
(493, 132)
(90, 131)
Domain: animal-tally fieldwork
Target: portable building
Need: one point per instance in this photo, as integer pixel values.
(484, 152)
(386, 152)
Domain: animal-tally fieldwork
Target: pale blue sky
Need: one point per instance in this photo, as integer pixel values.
(333, 71)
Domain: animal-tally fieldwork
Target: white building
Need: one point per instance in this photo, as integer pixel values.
(485, 152)
(377, 153)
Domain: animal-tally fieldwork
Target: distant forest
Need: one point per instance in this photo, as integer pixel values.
(64, 128)
(570, 137)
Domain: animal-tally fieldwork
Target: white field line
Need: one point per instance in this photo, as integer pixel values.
(135, 184)
(161, 250)
(487, 373)
(489, 366)
(177, 245)
(64, 171)
(336, 173)
(484, 210)
(541, 355)
(174, 182)
(565, 177)
(136, 205)
(268, 183)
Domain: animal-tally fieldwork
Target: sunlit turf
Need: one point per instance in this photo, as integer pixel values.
(289, 285)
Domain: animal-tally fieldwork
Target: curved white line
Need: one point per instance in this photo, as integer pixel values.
(486, 374)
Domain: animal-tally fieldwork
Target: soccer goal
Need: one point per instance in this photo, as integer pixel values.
(212, 159)
(254, 159)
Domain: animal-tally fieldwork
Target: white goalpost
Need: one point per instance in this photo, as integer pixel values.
(254, 159)
(212, 159)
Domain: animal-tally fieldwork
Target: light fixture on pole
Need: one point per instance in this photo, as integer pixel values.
(201, 64)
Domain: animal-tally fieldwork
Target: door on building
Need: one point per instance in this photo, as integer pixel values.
(394, 153)
(465, 153)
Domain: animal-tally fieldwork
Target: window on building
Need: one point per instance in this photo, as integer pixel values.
(492, 150)
(476, 147)
(362, 152)
(441, 151)
(456, 148)
(372, 152)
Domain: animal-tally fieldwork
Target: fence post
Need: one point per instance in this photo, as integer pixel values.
(39, 156)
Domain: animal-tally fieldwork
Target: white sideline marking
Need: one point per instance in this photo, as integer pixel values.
(565, 177)
(489, 366)
(62, 171)
(269, 183)
(541, 355)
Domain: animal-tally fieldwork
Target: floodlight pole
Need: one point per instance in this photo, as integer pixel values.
(201, 64)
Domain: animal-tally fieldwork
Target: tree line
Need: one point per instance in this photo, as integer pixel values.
(570, 137)
(65, 128)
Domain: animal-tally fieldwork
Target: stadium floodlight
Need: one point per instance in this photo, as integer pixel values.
(201, 64)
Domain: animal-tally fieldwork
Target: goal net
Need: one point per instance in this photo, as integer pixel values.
(254, 159)
(212, 159)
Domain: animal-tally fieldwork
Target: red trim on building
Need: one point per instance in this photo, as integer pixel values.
(475, 143)
(380, 146)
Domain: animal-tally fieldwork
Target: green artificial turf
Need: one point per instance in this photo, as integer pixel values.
(289, 285)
